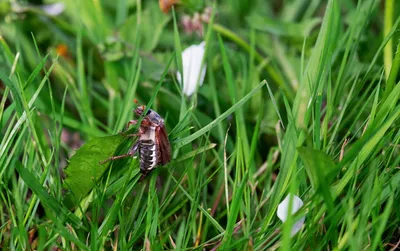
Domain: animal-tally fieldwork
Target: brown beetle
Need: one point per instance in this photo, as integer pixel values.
(153, 144)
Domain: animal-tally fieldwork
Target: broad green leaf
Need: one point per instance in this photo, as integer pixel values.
(320, 168)
(84, 169)
(318, 165)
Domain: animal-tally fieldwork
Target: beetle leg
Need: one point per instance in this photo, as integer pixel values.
(132, 135)
(116, 157)
(130, 122)
(129, 154)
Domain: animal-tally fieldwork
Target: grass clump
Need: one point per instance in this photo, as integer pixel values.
(299, 98)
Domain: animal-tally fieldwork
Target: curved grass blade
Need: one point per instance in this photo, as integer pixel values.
(184, 141)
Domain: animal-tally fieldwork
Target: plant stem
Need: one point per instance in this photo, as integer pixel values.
(387, 26)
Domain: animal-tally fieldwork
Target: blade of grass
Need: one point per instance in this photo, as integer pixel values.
(181, 142)
(46, 199)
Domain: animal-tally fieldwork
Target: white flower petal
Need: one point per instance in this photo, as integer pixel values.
(193, 73)
(53, 9)
(283, 211)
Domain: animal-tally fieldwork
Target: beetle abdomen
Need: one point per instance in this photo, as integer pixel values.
(148, 155)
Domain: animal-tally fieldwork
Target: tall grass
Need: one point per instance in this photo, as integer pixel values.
(300, 97)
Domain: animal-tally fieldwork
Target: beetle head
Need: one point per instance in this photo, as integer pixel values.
(140, 109)
(151, 115)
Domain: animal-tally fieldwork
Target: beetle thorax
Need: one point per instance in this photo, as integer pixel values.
(149, 134)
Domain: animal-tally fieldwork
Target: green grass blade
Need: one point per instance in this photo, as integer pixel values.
(181, 142)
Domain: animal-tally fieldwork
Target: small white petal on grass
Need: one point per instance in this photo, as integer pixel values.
(283, 211)
(53, 9)
(193, 72)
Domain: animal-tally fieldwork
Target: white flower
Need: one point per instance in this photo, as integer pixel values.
(54, 9)
(193, 73)
(283, 211)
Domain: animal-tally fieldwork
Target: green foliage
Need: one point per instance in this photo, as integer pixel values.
(326, 128)
(276, 27)
(84, 169)
(48, 201)
(318, 165)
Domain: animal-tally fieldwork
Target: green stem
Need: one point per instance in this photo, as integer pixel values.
(393, 73)
(387, 26)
